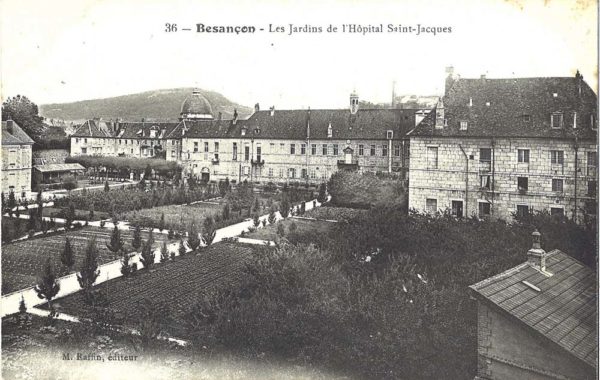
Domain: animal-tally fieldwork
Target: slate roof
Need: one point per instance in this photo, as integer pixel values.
(124, 130)
(563, 311)
(17, 137)
(93, 128)
(366, 124)
(196, 104)
(210, 128)
(518, 107)
(59, 167)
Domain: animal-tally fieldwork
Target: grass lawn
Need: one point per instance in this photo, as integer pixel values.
(178, 284)
(302, 226)
(23, 261)
(54, 212)
(334, 213)
(177, 217)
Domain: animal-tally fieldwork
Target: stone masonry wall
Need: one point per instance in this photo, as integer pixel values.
(448, 181)
(16, 169)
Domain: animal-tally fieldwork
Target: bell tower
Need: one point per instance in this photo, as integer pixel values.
(353, 103)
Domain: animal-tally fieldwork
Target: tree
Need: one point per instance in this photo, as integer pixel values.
(256, 205)
(280, 229)
(92, 211)
(25, 113)
(47, 286)
(89, 271)
(210, 230)
(161, 223)
(116, 242)
(182, 250)
(106, 187)
(126, 267)
(147, 256)
(226, 211)
(6, 233)
(12, 202)
(256, 220)
(164, 253)
(284, 207)
(322, 198)
(69, 183)
(67, 257)
(147, 172)
(193, 239)
(136, 243)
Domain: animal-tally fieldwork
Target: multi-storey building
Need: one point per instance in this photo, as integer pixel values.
(270, 146)
(496, 147)
(16, 160)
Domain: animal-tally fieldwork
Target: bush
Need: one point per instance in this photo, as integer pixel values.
(69, 183)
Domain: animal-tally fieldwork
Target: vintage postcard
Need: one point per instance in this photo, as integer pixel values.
(299, 190)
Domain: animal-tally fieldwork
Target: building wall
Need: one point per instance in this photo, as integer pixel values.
(279, 160)
(112, 146)
(16, 169)
(508, 350)
(448, 181)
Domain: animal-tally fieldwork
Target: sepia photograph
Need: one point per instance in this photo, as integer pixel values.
(338, 189)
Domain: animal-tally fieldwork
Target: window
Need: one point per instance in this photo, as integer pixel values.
(361, 150)
(522, 210)
(557, 185)
(258, 153)
(397, 150)
(234, 158)
(292, 173)
(292, 148)
(335, 150)
(592, 162)
(85, 141)
(303, 172)
(485, 209)
(592, 188)
(195, 147)
(313, 149)
(457, 209)
(485, 182)
(246, 153)
(280, 173)
(463, 125)
(303, 149)
(246, 170)
(557, 157)
(432, 157)
(522, 184)
(120, 142)
(523, 155)
(205, 147)
(313, 174)
(372, 150)
(557, 211)
(384, 150)
(282, 148)
(172, 153)
(270, 172)
(556, 120)
(324, 149)
(485, 155)
(83, 150)
(272, 147)
(216, 147)
(77, 140)
(431, 205)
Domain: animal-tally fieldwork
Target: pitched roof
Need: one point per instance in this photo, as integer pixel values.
(366, 124)
(58, 167)
(125, 130)
(564, 310)
(16, 137)
(93, 128)
(519, 107)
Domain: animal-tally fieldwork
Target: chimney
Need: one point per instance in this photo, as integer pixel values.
(440, 118)
(272, 110)
(536, 256)
(9, 127)
(256, 107)
(235, 116)
(482, 76)
(579, 79)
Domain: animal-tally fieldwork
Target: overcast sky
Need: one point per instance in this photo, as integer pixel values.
(60, 50)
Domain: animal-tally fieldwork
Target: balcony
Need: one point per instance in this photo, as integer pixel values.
(215, 161)
(257, 162)
(351, 166)
(485, 166)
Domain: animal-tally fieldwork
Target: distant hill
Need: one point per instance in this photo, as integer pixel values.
(158, 105)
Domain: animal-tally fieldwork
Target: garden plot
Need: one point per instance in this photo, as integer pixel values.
(23, 261)
(334, 213)
(177, 284)
(177, 217)
(303, 226)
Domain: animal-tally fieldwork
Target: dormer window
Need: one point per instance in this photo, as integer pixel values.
(593, 122)
(556, 120)
(244, 131)
(463, 125)
(256, 131)
(390, 135)
(555, 94)
(329, 131)
(488, 104)
(526, 117)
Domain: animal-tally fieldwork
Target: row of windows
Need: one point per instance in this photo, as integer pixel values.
(557, 157)
(484, 208)
(291, 173)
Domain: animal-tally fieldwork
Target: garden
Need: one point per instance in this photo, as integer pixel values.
(290, 228)
(23, 261)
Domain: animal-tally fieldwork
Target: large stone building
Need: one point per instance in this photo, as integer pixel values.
(538, 320)
(270, 146)
(16, 160)
(496, 147)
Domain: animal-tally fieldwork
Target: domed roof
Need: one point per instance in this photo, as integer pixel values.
(196, 106)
